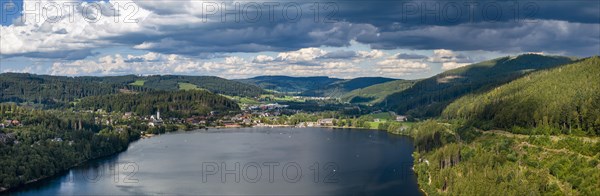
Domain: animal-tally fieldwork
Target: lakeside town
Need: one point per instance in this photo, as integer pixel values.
(261, 115)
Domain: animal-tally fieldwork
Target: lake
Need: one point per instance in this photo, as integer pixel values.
(249, 161)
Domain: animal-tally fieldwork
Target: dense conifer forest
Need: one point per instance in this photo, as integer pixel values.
(59, 91)
(428, 97)
(51, 141)
(171, 104)
(547, 144)
(563, 100)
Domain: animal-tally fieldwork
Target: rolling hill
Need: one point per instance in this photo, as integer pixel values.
(339, 88)
(56, 90)
(314, 86)
(428, 97)
(60, 90)
(171, 104)
(376, 93)
(287, 84)
(563, 100)
(212, 83)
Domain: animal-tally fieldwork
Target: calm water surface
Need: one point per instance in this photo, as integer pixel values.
(254, 161)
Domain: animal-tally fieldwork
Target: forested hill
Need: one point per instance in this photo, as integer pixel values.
(60, 90)
(376, 93)
(290, 84)
(51, 90)
(428, 97)
(175, 82)
(212, 83)
(318, 86)
(565, 100)
(339, 88)
(170, 104)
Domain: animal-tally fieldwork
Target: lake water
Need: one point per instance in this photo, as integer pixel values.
(253, 161)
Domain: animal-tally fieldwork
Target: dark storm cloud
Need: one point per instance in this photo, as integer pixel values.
(342, 54)
(391, 14)
(569, 27)
(549, 36)
(247, 37)
(515, 26)
(410, 56)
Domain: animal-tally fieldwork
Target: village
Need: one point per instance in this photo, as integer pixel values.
(263, 115)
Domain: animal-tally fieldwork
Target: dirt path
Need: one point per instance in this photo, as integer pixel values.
(554, 138)
(563, 150)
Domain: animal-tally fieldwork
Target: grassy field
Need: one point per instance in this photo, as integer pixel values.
(374, 125)
(138, 83)
(242, 100)
(187, 86)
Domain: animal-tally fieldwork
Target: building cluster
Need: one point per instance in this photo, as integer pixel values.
(270, 106)
(155, 120)
(399, 118)
(312, 98)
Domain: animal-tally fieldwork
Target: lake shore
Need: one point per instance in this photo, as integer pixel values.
(269, 147)
(4, 190)
(11, 189)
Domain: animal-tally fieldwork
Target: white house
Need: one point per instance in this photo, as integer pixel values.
(401, 118)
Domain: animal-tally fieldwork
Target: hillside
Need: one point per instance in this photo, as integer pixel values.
(170, 104)
(289, 84)
(55, 90)
(211, 83)
(564, 100)
(339, 88)
(428, 97)
(376, 93)
(60, 90)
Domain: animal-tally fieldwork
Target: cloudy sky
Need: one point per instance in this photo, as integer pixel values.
(240, 39)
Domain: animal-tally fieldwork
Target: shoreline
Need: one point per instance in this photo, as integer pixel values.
(4, 190)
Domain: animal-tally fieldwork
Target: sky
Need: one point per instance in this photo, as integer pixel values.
(241, 39)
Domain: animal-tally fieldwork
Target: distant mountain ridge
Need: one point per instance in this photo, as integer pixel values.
(417, 98)
(318, 86)
(339, 88)
(289, 84)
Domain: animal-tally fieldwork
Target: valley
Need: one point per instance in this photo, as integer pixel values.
(527, 123)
